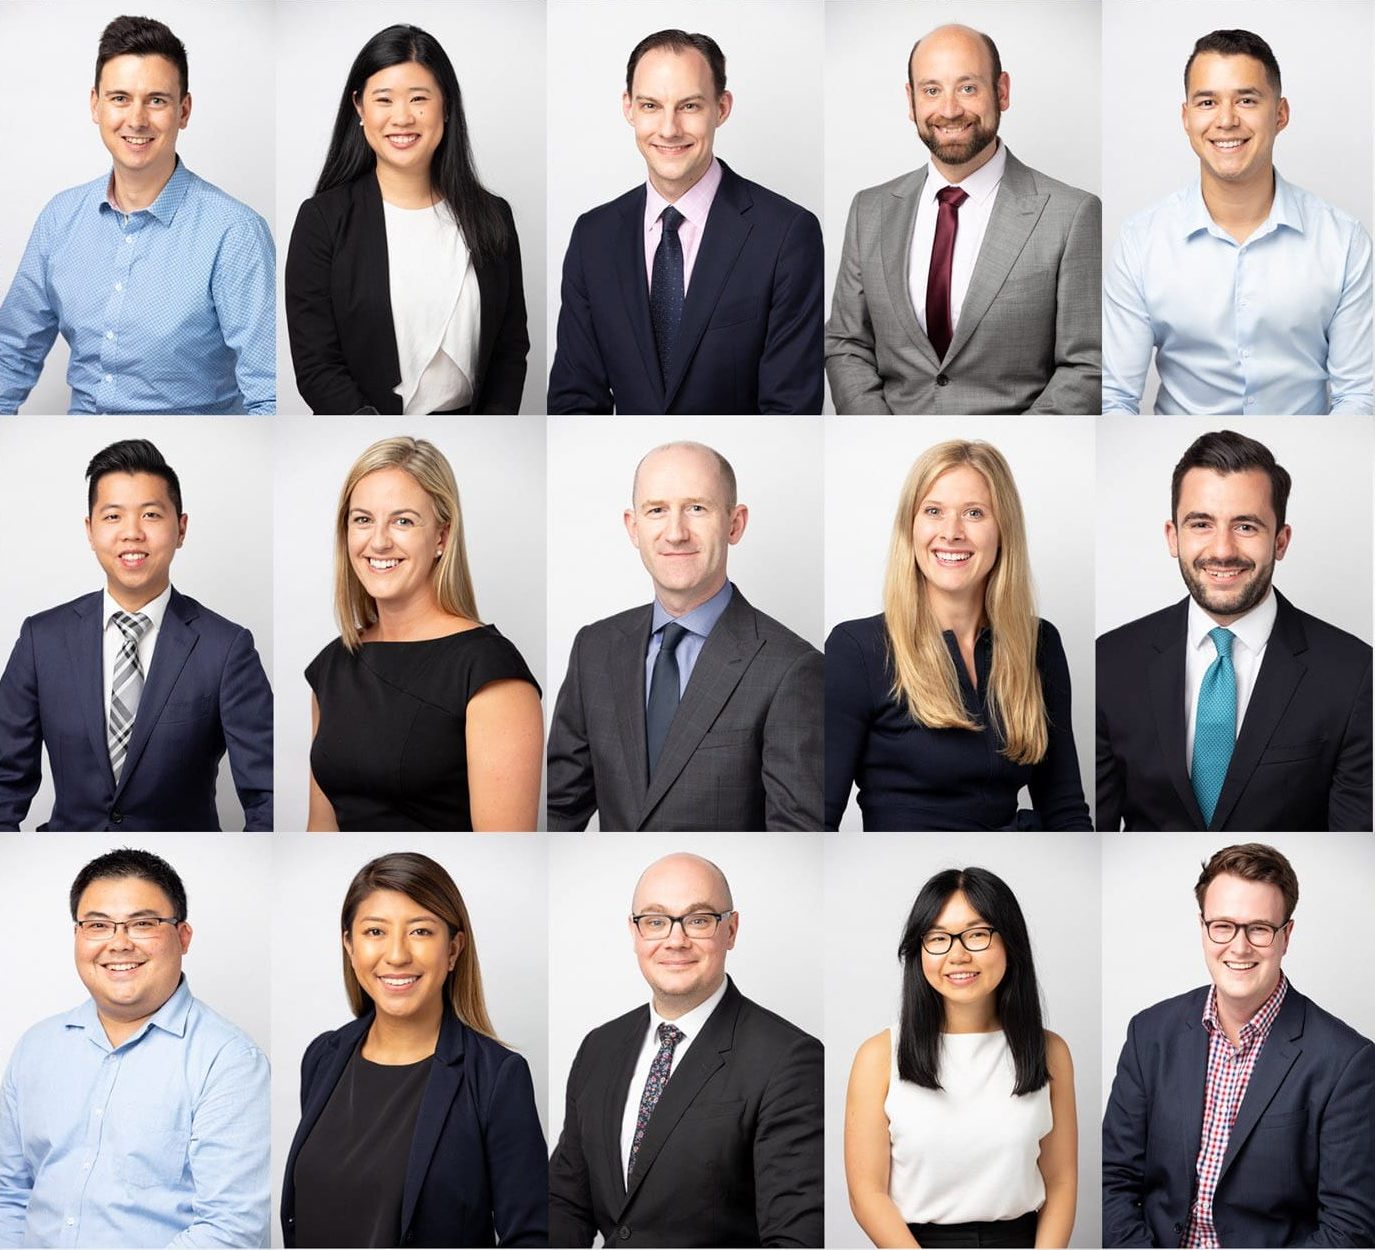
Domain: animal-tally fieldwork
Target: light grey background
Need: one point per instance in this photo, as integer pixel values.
(497, 50)
(1326, 570)
(225, 563)
(47, 53)
(775, 881)
(867, 460)
(871, 883)
(773, 51)
(222, 876)
(1049, 49)
(1150, 926)
(499, 464)
(502, 881)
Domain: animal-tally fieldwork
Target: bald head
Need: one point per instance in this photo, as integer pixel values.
(682, 873)
(688, 453)
(963, 41)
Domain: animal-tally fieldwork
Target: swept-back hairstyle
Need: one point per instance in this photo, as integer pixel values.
(680, 41)
(425, 882)
(354, 608)
(1252, 861)
(1225, 452)
(1237, 43)
(1017, 996)
(140, 36)
(129, 862)
(924, 676)
(453, 175)
(131, 455)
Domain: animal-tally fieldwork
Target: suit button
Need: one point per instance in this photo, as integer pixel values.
(1179, 1228)
(942, 380)
(117, 817)
(623, 1233)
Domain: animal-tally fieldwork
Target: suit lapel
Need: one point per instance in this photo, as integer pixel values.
(176, 639)
(445, 1081)
(1165, 680)
(492, 296)
(341, 1046)
(1282, 1048)
(374, 278)
(85, 645)
(899, 219)
(1190, 1061)
(628, 694)
(618, 1093)
(630, 274)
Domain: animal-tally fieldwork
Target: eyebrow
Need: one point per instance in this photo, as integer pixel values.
(661, 910)
(389, 90)
(663, 503)
(385, 920)
(936, 82)
(393, 512)
(119, 507)
(133, 915)
(982, 503)
(687, 99)
(1249, 517)
(1207, 91)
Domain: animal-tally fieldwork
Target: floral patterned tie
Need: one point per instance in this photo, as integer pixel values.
(669, 1037)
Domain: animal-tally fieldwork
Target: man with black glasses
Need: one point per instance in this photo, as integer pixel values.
(1241, 1114)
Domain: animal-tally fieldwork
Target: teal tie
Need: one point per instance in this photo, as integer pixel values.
(1215, 727)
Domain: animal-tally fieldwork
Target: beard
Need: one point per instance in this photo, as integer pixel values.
(1227, 600)
(959, 151)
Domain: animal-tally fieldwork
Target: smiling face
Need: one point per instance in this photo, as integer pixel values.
(962, 977)
(954, 534)
(402, 111)
(1226, 540)
(401, 955)
(1245, 974)
(675, 111)
(1232, 115)
(954, 100)
(394, 538)
(139, 108)
(134, 531)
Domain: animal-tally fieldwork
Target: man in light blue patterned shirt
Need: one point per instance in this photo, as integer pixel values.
(1254, 294)
(139, 1118)
(162, 285)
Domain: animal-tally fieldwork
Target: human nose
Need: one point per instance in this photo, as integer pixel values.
(1226, 115)
(379, 537)
(948, 105)
(676, 530)
(119, 939)
(398, 952)
(953, 526)
(131, 526)
(676, 926)
(668, 123)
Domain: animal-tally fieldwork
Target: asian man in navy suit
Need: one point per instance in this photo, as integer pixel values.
(699, 292)
(135, 690)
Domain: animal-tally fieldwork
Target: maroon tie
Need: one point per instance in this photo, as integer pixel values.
(938, 328)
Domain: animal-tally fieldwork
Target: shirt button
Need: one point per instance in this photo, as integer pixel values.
(70, 1222)
(109, 334)
(128, 238)
(119, 286)
(109, 377)
(100, 1111)
(1250, 400)
(1246, 353)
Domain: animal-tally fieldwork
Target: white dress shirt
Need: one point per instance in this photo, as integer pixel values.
(690, 1025)
(695, 205)
(982, 188)
(1251, 633)
(113, 640)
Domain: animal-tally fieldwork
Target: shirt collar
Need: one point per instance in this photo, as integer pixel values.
(164, 208)
(694, 203)
(979, 185)
(154, 610)
(170, 1018)
(1258, 1026)
(701, 620)
(691, 1023)
(1252, 629)
(1284, 211)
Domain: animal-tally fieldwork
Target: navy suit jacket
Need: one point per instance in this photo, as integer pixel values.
(477, 1169)
(205, 691)
(750, 338)
(1299, 1169)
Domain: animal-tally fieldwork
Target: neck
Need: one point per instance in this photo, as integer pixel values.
(1233, 1013)
(1239, 207)
(404, 1039)
(958, 173)
(962, 615)
(682, 604)
(136, 191)
(133, 602)
(406, 190)
(413, 620)
(120, 1031)
(674, 191)
(677, 1008)
(979, 1017)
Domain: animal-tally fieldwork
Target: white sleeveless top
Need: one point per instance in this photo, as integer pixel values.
(967, 1151)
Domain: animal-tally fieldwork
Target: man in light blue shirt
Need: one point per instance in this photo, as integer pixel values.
(140, 1118)
(1254, 294)
(161, 284)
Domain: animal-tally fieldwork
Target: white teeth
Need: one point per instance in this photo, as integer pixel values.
(398, 981)
(961, 976)
(1228, 144)
(953, 557)
(121, 967)
(382, 564)
(137, 142)
(403, 141)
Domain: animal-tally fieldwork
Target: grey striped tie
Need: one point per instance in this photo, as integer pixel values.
(126, 686)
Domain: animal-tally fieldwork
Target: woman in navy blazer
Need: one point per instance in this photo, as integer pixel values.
(400, 136)
(418, 1128)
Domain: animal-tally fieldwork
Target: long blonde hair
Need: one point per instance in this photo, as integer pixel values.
(924, 674)
(354, 608)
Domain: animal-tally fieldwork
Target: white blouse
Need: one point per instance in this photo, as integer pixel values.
(436, 308)
(968, 1151)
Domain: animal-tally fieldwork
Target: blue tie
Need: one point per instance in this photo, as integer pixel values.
(663, 692)
(1215, 727)
(666, 288)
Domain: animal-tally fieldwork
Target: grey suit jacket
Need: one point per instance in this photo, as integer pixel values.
(1029, 337)
(744, 750)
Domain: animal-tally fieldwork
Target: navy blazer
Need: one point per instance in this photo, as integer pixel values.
(1300, 1164)
(478, 1170)
(750, 340)
(205, 691)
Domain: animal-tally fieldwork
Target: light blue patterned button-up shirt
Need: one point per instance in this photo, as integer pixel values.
(699, 623)
(169, 309)
(162, 1141)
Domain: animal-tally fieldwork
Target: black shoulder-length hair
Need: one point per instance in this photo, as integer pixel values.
(1018, 998)
(452, 173)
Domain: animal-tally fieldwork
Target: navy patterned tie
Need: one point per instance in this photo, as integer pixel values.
(1215, 726)
(666, 288)
(126, 686)
(663, 692)
(659, 1071)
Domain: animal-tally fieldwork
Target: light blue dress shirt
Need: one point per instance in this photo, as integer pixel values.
(169, 309)
(162, 1141)
(699, 623)
(1276, 326)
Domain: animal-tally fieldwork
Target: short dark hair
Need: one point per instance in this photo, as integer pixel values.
(128, 862)
(988, 43)
(1237, 43)
(132, 455)
(680, 41)
(140, 36)
(922, 1018)
(1252, 861)
(1226, 451)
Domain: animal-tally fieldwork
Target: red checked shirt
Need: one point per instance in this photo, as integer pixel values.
(1229, 1073)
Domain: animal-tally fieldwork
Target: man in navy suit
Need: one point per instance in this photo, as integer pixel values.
(135, 690)
(1241, 1113)
(699, 292)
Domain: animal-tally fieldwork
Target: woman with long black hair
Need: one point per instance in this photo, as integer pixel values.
(403, 278)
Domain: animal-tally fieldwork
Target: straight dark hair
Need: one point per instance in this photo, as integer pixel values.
(1236, 43)
(140, 36)
(453, 175)
(132, 455)
(128, 862)
(1226, 451)
(1018, 998)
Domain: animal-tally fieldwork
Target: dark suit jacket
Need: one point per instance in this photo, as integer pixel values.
(1302, 758)
(1300, 1164)
(750, 338)
(205, 691)
(339, 317)
(743, 752)
(477, 1166)
(733, 1152)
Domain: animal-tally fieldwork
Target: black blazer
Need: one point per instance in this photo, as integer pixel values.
(477, 1166)
(1300, 1163)
(1302, 759)
(339, 318)
(733, 1152)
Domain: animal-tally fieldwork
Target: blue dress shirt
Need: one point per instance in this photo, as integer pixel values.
(1276, 326)
(699, 623)
(169, 309)
(162, 1141)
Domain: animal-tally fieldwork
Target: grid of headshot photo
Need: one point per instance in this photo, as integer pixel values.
(689, 623)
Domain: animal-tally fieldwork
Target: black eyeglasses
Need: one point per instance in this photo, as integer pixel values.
(978, 938)
(696, 924)
(1258, 932)
(140, 928)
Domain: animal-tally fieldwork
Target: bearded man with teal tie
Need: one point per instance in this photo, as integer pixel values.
(1232, 709)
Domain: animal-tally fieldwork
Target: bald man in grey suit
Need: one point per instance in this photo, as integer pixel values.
(973, 284)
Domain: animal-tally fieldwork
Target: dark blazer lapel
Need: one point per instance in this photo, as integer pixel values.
(85, 639)
(1282, 1048)
(446, 1079)
(628, 682)
(176, 638)
(898, 220)
(340, 1046)
(492, 284)
(1188, 1061)
(630, 273)
(622, 1068)
(372, 284)
(1165, 680)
